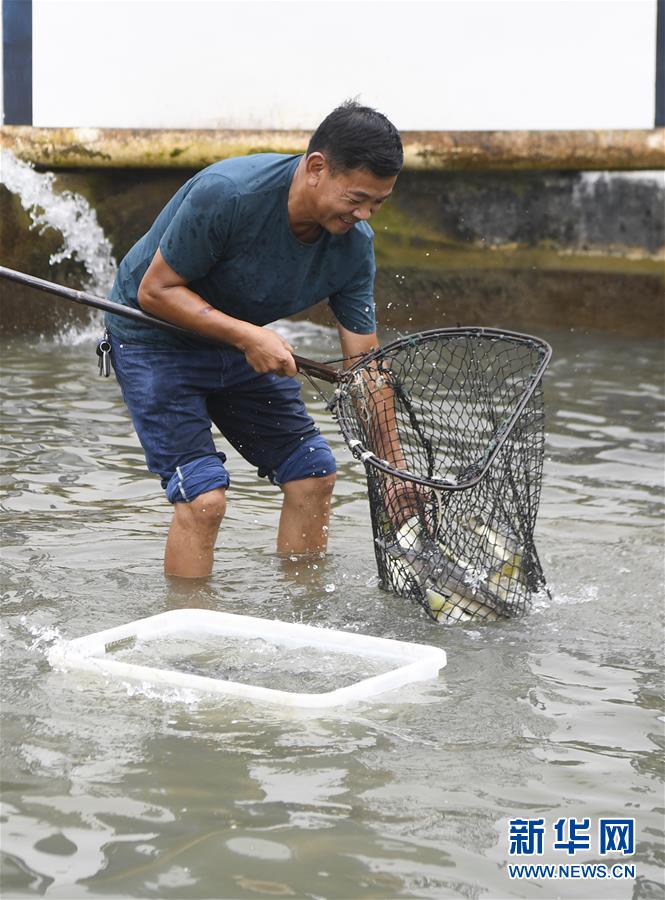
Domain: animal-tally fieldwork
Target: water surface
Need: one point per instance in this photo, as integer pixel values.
(119, 791)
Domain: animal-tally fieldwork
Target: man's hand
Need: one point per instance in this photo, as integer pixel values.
(403, 499)
(267, 351)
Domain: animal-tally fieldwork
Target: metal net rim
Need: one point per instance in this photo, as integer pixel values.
(342, 399)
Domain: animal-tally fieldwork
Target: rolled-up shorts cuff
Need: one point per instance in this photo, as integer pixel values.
(196, 477)
(313, 458)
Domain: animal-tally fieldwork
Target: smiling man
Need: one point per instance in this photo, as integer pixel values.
(245, 242)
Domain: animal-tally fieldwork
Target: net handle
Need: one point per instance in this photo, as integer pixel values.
(307, 366)
(366, 456)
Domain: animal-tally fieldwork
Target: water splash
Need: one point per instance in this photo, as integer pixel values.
(44, 637)
(76, 335)
(69, 213)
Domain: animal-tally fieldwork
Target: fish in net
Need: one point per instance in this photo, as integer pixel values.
(450, 427)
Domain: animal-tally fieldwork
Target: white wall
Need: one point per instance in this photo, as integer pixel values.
(444, 64)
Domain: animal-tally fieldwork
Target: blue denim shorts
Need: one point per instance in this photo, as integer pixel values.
(174, 395)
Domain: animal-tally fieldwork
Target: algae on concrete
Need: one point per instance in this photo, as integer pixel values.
(423, 150)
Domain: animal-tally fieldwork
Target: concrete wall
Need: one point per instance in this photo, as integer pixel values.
(521, 250)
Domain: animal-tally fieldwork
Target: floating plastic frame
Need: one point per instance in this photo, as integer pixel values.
(413, 662)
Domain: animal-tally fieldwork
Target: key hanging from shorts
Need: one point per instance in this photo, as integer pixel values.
(104, 354)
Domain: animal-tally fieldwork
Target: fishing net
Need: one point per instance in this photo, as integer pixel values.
(450, 427)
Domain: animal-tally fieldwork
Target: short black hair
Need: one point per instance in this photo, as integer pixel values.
(359, 137)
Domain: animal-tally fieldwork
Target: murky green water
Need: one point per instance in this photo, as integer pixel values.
(112, 791)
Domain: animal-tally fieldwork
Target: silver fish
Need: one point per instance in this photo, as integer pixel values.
(452, 590)
(504, 547)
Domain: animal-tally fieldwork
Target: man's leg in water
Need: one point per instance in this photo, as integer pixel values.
(191, 541)
(303, 524)
(165, 390)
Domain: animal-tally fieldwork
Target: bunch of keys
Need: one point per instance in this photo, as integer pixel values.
(104, 354)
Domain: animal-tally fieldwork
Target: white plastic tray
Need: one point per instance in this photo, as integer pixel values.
(413, 662)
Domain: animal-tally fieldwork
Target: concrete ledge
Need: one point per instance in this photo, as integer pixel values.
(65, 148)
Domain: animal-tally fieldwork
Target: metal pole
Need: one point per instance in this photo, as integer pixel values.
(307, 366)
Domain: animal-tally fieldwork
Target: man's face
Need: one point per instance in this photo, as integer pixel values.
(344, 198)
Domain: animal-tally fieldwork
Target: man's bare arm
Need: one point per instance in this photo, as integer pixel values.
(403, 499)
(379, 396)
(163, 293)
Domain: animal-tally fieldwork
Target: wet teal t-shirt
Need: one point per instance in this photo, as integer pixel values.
(226, 232)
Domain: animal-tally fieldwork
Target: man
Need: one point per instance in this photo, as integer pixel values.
(243, 243)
